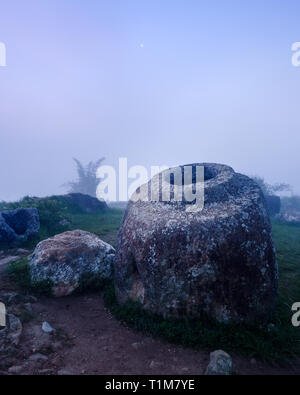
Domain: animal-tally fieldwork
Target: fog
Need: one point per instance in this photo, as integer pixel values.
(158, 82)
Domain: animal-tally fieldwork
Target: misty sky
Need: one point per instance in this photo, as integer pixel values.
(162, 82)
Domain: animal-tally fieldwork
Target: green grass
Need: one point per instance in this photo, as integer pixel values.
(105, 225)
(287, 243)
(18, 273)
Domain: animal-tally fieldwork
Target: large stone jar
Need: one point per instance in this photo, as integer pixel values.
(219, 260)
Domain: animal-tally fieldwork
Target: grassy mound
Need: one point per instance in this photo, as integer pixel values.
(57, 214)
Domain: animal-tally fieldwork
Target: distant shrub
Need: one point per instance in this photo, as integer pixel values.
(87, 180)
(271, 189)
(290, 204)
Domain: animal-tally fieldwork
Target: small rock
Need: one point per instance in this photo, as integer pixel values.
(47, 328)
(253, 361)
(45, 371)
(5, 261)
(16, 369)
(64, 373)
(220, 364)
(13, 330)
(9, 297)
(38, 357)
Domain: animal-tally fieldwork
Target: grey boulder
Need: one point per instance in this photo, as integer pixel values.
(64, 259)
(17, 226)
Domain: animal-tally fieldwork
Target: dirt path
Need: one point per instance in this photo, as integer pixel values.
(101, 345)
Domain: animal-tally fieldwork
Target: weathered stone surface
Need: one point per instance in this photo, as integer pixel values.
(19, 225)
(7, 234)
(88, 204)
(220, 364)
(64, 258)
(47, 328)
(220, 261)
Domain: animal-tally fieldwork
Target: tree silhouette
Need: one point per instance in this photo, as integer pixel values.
(271, 189)
(87, 181)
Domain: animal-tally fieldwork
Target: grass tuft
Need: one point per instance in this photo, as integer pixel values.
(18, 272)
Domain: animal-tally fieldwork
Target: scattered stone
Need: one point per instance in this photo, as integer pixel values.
(45, 372)
(7, 260)
(179, 260)
(47, 328)
(16, 369)
(63, 372)
(253, 361)
(65, 258)
(11, 333)
(220, 364)
(38, 357)
(9, 297)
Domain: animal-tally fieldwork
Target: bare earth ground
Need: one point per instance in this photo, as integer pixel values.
(88, 340)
